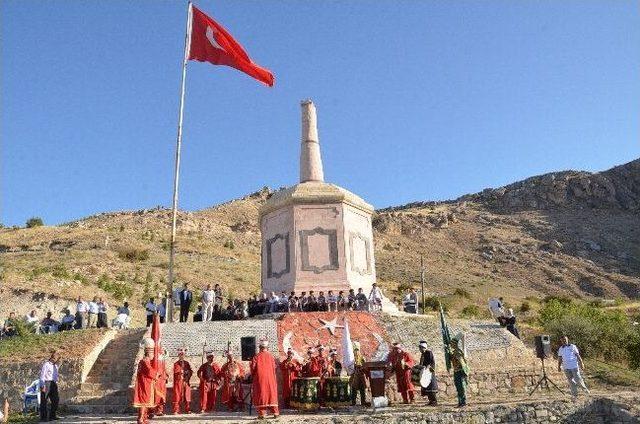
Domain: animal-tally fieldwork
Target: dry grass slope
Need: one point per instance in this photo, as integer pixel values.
(569, 233)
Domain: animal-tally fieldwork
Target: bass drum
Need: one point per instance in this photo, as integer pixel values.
(416, 373)
(337, 391)
(304, 393)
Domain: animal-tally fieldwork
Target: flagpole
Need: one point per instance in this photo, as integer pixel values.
(176, 176)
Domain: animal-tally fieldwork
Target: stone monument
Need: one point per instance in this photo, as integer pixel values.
(315, 235)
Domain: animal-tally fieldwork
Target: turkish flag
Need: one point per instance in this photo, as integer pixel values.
(210, 42)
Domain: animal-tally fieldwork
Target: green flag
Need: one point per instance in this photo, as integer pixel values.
(446, 338)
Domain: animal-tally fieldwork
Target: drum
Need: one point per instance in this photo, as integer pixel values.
(337, 391)
(416, 373)
(304, 393)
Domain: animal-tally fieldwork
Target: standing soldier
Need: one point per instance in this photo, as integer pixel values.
(232, 375)
(264, 385)
(182, 373)
(209, 374)
(460, 369)
(290, 369)
(428, 360)
(144, 391)
(358, 379)
(401, 362)
(161, 385)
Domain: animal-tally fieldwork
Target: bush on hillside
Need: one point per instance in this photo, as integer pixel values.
(471, 311)
(133, 254)
(34, 222)
(462, 293)
(598, 332)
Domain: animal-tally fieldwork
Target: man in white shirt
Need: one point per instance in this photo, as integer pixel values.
(49, 387)
(332, 301)
(151, 308)
(273, 302)
(208, 299)
(93, 313)
(570, 361)
(67, 320)
(32, 318)
(82, 312)
(375, 298)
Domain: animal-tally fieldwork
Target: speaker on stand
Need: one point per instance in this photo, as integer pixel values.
(543, 351)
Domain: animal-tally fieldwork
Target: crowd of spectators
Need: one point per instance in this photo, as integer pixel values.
(92, 314)
(214, 307)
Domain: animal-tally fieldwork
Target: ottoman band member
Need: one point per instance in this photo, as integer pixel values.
(182, 373)
(290, 369)
(232, 376)
(401, 363)
(460, 369)
(209, 375)
(264, 385)
(358, 379)
(144, 391)
(427, 359)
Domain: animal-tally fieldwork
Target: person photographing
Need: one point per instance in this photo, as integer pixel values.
(49, 388)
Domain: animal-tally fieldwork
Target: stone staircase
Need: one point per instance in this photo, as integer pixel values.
(106, 388)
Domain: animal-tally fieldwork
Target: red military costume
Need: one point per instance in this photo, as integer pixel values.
(144, 390)
(265, 387)
(209, 375)
(182, 373)
(401, 363)
(312, 368)
(290, 370)
(161, 387)
(232, 376)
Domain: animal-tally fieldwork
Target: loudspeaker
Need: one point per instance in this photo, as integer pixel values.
(247, 348)
(543, 346)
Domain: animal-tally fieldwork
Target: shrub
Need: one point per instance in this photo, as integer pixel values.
(34, 222)
(462, 293)
(229, 244)
(471, 311)
(59, 271)
(597, 332)
(433, 303)
(133, 254)
(525, 307)
(404, 287)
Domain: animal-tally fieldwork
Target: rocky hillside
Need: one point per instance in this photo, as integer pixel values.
(571, 233)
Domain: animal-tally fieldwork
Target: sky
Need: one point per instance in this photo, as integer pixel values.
(416, 100)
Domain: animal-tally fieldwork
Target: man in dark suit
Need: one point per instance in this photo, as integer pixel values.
(186, 296)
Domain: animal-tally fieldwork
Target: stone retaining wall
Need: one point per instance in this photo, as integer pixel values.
(15, 377)
(587, 410)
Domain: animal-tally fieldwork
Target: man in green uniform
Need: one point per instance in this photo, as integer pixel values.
(460, 370)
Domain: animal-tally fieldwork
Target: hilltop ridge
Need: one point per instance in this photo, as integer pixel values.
(571, 232)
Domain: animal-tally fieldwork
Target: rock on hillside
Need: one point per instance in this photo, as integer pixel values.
(618, 188)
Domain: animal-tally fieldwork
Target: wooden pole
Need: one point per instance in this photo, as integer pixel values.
(176, 176)
(422, 281)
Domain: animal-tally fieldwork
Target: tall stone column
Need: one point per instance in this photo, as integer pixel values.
(310, 159)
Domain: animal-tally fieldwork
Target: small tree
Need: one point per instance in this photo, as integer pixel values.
(34, 222)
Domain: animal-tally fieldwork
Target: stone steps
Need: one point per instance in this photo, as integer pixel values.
(106, 388)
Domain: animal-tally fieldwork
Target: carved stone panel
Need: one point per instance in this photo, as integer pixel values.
(319, 249)
(278, 256)
(359, 253)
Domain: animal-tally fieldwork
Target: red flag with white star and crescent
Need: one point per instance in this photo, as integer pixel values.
(211, 42)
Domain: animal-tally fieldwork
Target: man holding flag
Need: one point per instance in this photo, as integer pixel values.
(455, 357)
